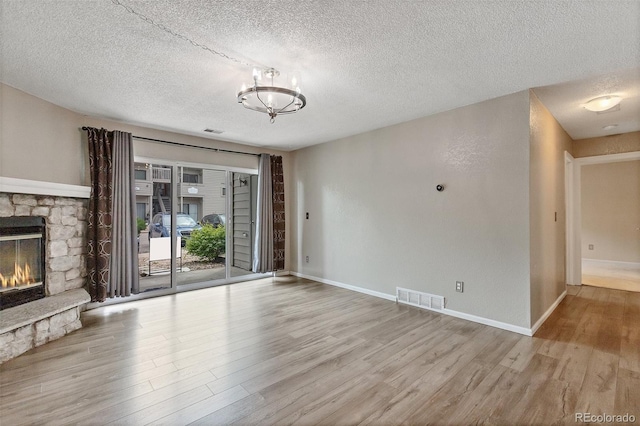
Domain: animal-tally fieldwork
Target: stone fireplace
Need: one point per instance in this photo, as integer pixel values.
(53, 292)
(22, 260)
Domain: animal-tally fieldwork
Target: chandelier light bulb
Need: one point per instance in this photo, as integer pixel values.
(296, 81)
(602, 103)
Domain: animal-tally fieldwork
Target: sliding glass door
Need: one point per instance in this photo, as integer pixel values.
(154, 205)
(244, 194)
(202, 199)
(214, 212)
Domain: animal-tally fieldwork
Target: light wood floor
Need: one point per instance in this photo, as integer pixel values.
(294, 351)
(603, 274)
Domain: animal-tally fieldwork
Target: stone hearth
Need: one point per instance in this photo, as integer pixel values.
(35, 323)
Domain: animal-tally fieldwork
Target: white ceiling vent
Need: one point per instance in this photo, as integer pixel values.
(419, 299)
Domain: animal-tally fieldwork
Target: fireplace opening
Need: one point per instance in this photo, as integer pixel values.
(22, 258)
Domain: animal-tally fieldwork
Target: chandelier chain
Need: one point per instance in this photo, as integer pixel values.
(180, 36)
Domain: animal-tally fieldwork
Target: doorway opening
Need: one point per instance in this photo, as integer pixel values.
(603, 221)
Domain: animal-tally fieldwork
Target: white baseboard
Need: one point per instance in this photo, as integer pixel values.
(489, 322)
(282, 273)
(614, 263)
(461, 315)
(347, 286)
(546, 315)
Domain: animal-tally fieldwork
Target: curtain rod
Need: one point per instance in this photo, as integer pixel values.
(228, 151)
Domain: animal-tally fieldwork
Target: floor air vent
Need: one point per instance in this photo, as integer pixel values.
(421, 300)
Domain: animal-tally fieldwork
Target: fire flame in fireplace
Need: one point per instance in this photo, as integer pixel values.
(21, 276)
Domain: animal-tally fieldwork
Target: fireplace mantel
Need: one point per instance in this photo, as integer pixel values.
(36, 187)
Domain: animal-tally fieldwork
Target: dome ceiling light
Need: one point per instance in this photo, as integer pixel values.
(603, 103)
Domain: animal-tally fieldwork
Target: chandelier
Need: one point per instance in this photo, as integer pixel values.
(269, 98)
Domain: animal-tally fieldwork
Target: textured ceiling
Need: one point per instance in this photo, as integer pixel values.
(364, 65)
(565, 101)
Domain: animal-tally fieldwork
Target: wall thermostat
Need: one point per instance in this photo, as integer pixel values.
(440, 188)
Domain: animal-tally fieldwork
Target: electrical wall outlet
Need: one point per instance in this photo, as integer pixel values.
(590, 246)
(459, 286)
(306, 259)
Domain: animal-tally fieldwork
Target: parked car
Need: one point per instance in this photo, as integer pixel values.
(160, 226)
(214, 219)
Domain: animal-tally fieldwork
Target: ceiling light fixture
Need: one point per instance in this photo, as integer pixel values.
(272, 99)
(602, 103)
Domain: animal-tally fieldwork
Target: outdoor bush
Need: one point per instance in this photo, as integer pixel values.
(207, 243)
(142, 225)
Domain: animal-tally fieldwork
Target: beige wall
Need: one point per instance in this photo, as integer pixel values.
(39, 140)
(549, 141)
(51, 137)
(377, 221)
(610, 196)
(44, 142)
(615, 144)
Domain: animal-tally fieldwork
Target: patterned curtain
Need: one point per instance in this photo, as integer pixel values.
(277, 183)
(99, 213)
(112, 260)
